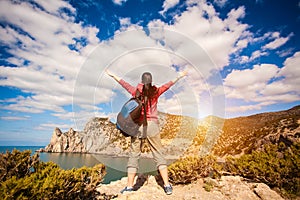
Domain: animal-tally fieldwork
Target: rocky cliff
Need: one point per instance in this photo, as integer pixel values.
(99, 135)
(70, 141)
(183, 136)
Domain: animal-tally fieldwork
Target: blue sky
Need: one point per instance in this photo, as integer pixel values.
(242, 58)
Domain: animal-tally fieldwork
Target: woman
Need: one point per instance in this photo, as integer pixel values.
(150, 94)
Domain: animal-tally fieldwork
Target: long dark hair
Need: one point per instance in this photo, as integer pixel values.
(149, 91)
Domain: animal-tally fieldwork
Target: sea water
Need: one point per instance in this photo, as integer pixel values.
(115, 166)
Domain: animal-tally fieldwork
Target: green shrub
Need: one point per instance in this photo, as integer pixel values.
(17, 164)
(191, 168)
(277, 166)
(39, 180)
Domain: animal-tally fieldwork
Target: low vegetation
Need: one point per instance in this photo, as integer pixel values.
(189, 169)
(23, 176)
(275, 165)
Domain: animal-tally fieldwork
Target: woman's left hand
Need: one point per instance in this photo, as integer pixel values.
(183, 74)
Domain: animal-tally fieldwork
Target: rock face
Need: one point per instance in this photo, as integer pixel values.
(182, 136)
(226, 188)
(102, 136)
(70, 141)
(96, 136)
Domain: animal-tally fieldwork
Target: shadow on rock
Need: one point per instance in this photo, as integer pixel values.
(140, 181)
(159, 181)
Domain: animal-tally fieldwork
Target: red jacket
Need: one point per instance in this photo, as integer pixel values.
(151, 112)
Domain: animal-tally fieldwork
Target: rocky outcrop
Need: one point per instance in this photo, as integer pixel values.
(99, 133)
(96, 136)
(182, 136)
(70, 141)
(226, 188)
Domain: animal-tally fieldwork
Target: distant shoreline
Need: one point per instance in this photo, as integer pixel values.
(3, 149)
(148, 155)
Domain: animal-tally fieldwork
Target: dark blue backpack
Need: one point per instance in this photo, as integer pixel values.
(129, 118)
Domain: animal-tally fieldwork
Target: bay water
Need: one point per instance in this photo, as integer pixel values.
(115, 166)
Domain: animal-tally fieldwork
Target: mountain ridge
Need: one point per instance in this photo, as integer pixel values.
(183, 136)
(266, 128)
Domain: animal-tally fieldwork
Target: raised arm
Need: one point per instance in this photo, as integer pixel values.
(112, 75)
(131, 89)
(180, 75)
(166, 86)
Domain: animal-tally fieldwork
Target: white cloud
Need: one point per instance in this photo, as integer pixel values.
(119, 2)
(287, 87)
(242, 43)
(221, 3)
(285, 52)
(269, 41)
(247, 84)
(277, 42)
(62, 69)
(217, 37)
(30, 105)
(57, 75)
(46, 39)
(275, 88)
(168, 4)
(264, 85)
(50, 43)
(255, 54)
(248, 107)
(13, 118)
(207, 32)
(51, 126)
(53, 7)
(291, 72)
(125, 23)
(249, 77)
(35, 80)
(64, 115)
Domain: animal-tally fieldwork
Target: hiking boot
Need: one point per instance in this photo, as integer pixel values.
(126, 190)
(168, 189)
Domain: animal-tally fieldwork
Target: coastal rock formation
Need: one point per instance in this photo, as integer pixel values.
(182, 136)
(70, 141)
(225, 188)
(97, 135)
(101, 136)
